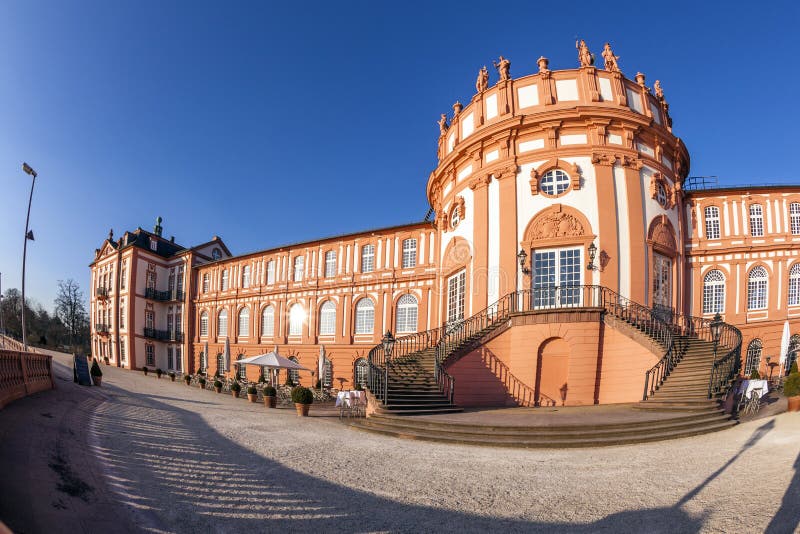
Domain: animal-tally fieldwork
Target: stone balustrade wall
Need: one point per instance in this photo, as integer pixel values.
(23, 373)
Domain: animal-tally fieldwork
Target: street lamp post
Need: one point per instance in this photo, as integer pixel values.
(28, 235)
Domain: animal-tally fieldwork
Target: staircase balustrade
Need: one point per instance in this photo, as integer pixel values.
(456, 337)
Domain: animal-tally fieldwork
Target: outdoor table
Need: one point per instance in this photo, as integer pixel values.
(747, 386)
(350, 400)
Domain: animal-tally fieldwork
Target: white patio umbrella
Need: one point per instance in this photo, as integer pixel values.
(321, 363)
(205, 357)
(273, 360)
(785, 338)
(226, 355)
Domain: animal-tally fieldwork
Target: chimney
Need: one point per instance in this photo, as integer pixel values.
(172, 239)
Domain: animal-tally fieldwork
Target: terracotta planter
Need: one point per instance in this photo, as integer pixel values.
(270, 402)
(252, 397)
(794, 403)
(158, 376)
(99, 380)
(235, 394)
(172, 378)
(218, 389)
(145, 372)
(302, 409)
(201, 386)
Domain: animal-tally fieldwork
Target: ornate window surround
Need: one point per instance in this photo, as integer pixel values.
(657, 179)
(572, 170)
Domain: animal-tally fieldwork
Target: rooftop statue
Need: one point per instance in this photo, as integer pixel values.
(482, 83)
(457, 107)
(443, 124)
(610, 59)
(585, 58)
(543, 63)
(640, 79)
(658, 90)
(503, 67)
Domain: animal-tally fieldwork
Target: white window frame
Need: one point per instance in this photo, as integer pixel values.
(243, 322)
(246, 277)
(270, 272)
(752, 360)
(299, 265)
(456, 297)
(268, 321)
(222, 323)
(794, 217)
(204, 324)
(757, 287)
(714, 292)
(756, 220)
(223, 283)
(407, 314)
(711, 214)
(365, 316)
(409, 253)
(793, 296)
(330, 264)
(554, 182)
(206, 282)
(368, 258)
(327, 318)
(296, 319)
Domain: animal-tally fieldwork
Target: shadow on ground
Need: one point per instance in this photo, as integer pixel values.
(209, 482)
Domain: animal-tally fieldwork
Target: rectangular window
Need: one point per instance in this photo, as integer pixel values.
(662, 281)
(299, 267)
(171, 281)
(122, 356)
(756, 221)
(205, 283)
(409, 253)
(170, 358)
(368, 259)
(556, 278)
(178, 320)
(246, 276)
(271, 272)
(149, 319)
(122, 315)
(794, 216)
(330, 264)
(204, 324)
(224, 282)
(123, 283)
(178, 359)
(150, 354)
(712, 222)
(455, 297)
(180, 281)
(151, 280)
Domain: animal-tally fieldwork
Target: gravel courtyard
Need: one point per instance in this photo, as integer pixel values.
(184, 460)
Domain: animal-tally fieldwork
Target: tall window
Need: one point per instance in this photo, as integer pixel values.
(149, 319)
(662, 280)
(178, 358)
(794, 285)
(178, 320)
(556, 275)
(241, 369)
(327, 319)
(409, 253)
(365, 316)
(122, 314)
(714, 292)
(361, 372)
(180, 281)
(171, 281)
(170, 358)
(407, 314)
(220, 364)
(150, 354)
(712, 222)
(203, 362)
(554, 182)
(222, 324)
(150, 280)
(205, 283)
(268, 321)
(330, 264)
(122, 356)
(455, 297)
(296, 317)
(756, 220)
(293, 374)
(299, 267)
(367, 258)
(271, 272)
(246, 276)
(244, 322)
(123, 277)
(794, 217)
(224, 283)
(757, 288)
(170, 323)
(203, 323)
(753, 360)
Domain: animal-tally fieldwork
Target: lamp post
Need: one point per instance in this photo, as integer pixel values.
(388, 345)
(28, 235)
(716, 330)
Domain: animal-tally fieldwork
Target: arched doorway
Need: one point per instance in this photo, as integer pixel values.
(552, 368)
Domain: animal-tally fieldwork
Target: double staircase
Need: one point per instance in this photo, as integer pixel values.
(409, 377)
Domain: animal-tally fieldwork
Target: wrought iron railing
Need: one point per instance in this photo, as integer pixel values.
(101, 292)
(160, 335)
(660, 324)
(163, 296)
(101, 328)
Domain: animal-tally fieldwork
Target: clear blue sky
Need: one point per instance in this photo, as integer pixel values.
(267, 123)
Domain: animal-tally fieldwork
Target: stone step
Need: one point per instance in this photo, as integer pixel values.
(422, 409)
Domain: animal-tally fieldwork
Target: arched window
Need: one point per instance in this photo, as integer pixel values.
(222, 324)
(791, 356)
(712, 222)
(268, 321)
(296, 317)
(756, 220)
(327, 374)
(794, 285)
(293, 374)
(714, 292)
(406, 314)
(554, 182)
(241, 370)
(246, 276)
(361, 372)
(757, 288)
(365, 316)
(330, 264)
(409, 253)
(224, 281)
(220, 364)
(203, 323)
(327, 319)
(368, 259)
(299, 266)
(753, 360)
(244, 322)
(794, 217)
(661, 195)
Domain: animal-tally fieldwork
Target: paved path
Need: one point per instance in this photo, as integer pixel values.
(163, 457)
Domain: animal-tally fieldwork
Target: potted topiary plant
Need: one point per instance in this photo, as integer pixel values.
(188, 379)
(755, 375)
(97, 374)
(791, 388)
(159, 372)
(302, 399)
(270, 396)
(144, 370)
(235, 389)
(201, 382)
(172, 375)
(252, 393)
(217, 386)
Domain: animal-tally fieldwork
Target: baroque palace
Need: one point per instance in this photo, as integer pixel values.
(568, 256)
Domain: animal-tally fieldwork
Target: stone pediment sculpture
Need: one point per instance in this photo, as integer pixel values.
(443, 126)
(585, 57)
(557, 224)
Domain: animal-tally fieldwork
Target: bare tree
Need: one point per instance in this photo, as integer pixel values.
(70, 308)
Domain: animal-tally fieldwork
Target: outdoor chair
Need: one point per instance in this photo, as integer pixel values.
(753, 403)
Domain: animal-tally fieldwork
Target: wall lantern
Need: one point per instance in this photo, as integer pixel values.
(716, 328)
(388, 344)
(592, 254)
(521, 257)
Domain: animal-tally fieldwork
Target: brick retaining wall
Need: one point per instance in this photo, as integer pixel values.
(23, 373)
